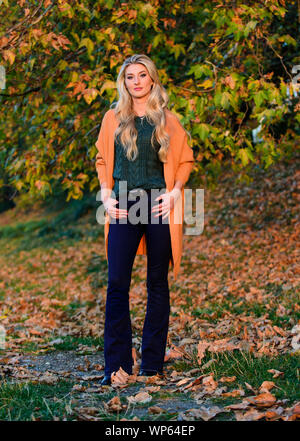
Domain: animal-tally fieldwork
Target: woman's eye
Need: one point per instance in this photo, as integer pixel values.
(130, 78)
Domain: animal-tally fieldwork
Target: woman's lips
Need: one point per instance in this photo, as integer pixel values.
(138, 88)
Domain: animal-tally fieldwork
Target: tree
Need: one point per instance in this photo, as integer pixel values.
(225, 64)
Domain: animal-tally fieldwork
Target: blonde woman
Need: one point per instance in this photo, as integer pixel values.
(141, 143)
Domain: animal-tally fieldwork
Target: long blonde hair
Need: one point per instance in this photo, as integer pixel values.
(155, 110)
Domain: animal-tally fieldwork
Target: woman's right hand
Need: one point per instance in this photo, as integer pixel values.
(117, 213)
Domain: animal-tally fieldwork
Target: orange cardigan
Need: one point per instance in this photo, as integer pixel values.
(180, 160)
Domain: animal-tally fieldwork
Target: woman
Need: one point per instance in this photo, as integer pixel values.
(142, 144)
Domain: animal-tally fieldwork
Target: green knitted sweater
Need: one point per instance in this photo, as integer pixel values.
(146, 171)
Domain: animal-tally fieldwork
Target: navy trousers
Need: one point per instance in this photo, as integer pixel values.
(123, 241)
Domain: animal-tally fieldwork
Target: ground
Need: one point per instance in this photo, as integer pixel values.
(233, 343)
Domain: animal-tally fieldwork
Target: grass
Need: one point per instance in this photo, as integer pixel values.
(214, 308)
(64, 226)
(28, 401)
(32, 401)
(67, 343)
(97, 266)
(72, 307)
(70, 343)
(252, 370)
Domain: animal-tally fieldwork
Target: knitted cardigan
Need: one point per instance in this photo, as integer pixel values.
(180, 160)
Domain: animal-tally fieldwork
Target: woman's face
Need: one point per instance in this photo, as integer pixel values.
(138, 80)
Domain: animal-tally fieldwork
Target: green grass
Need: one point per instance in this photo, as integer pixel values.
(97, 267)
(72, 307)
(26, 401)
(64, 226)
(214, 308)
(30, 347)
(248, 368)
(71, 343)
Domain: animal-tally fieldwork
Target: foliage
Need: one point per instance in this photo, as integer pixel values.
(225, 64)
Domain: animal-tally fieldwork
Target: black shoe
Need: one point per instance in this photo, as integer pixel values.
(144, 372)
(106, 380)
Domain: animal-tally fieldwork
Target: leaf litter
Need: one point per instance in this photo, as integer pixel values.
(226, 273)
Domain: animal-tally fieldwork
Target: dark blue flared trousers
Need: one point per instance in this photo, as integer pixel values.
(123, 241)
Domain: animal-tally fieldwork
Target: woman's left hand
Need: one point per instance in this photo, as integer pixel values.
(169, 199)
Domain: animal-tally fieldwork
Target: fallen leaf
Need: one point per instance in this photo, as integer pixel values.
(206, 413)
(155, 409)
(201, 348)
(243, 405)
(227, 379)
(173, 353)
(250, 415)
(275, 372)
(119, 377)
(196, 382)
(114, 404)
(78, 388)
(135, 367)
(293, 413)
(234, 393)
(295, 343)
(48, 378)
(141, 397)
(209, 383)
(186, 341)
(266, 386)
(183, 381)
(151, 389)
(265, 399)
(248, 386)
(271, 415)
(87, 413)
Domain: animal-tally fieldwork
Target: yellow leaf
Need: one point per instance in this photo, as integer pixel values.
(206, 84)
(9, 55)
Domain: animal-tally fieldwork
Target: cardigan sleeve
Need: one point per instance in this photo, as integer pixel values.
(186, 161)
(100, 156)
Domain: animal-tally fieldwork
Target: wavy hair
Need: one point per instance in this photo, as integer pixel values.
(155, 110)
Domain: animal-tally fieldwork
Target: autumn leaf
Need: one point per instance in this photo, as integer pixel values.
(114, 404)
(227, 379)
(237, 406)
(156, 410)
(266, 386)
(234, 393)
(265, 399)
(276, 373)
(173, 353)
(250, 415)
(9, 55)
(152, 389)
(120, 377)
(141, 398)
(48, 378)
(201, 348)
(183, 381)
(209, 383)
(205, 413)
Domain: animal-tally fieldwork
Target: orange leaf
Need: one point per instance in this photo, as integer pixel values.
(265, 399)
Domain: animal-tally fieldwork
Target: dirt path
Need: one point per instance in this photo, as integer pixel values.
(86, 372)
